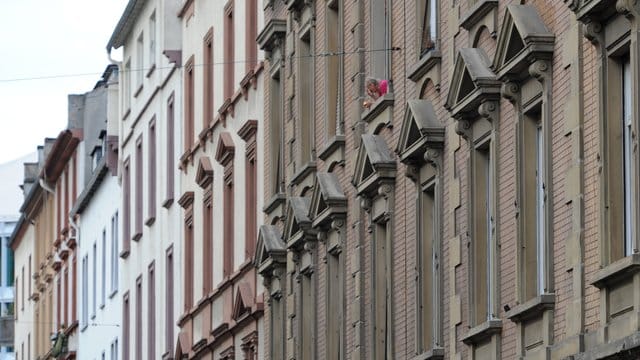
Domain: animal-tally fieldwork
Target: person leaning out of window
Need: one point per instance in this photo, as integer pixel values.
(375, 88)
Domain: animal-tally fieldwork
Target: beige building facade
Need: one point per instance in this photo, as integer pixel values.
(485, 207)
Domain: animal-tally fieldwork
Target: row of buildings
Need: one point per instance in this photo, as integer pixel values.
(222, 192)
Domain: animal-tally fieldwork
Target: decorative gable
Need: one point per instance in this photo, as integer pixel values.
(297, 224)
(204, 173)
(523, 39)
(271, 250)
(242, 305)
(473, 83)
(328, 199)
(374, 165)
(421, 130)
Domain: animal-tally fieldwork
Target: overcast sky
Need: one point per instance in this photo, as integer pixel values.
(41, 38)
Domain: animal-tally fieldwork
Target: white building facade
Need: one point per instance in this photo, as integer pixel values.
(149, 143)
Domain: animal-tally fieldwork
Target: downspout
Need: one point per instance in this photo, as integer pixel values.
(44, 184)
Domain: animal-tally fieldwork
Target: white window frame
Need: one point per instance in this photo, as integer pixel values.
(540, 211)
(114, 253)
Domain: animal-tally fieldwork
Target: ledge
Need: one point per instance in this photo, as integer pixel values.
(433, 354)
(137, 236)
(617, 271)
(426, 63)
(630, 346)
(275, 201)
(477, 12)
(306, 170)
(152, 68)
(150, 220)
(483, 331)
(138, 91)
(335, 143)
(532, 308)
(167, 203)
(125, 253)
(378, 107)
(167, 356)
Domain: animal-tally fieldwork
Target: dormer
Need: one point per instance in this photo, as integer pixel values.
(375, 165)
(523, 39)
(421, 131)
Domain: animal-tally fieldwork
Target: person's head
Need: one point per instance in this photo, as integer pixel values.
(372, 86)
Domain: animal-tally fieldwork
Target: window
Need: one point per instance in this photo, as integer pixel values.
(305, 94)
(382, 292)
(114, 253)
(138, 192)
(188, 105)
(139, 317)
(169, 302)
(126, 208)
(251, 48)
(276, 134)
(483, 240)
(277, 329)
(151, 316)
(170, 151)
(307, 321)
(139, 63)
(151, 176)
(103, 294)
(335, 305)
(126, 88)
(94, 262)
(380, 39)
(229, 56)
(66, 297)
(428, 31)
(188, 265)
(207, 67)
(126, 328)
(22, 287)
(207, 242)
(152, 41)
(627, 155)
(228, 226)
(334, 70)
(96, 156)
(114, 350)
(85, 292)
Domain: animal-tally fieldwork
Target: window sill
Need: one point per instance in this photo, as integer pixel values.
(483, 331)
(138, 91)
(433, 354)
(532, 308)
(84, 327)
(617, 271)
(378, 107)
(152, 68)
(167, 355)
(125, 253)
(273, 203)
(126, 114)
(137, 236)
(477, 12)
(308, 169)
(426, 63)
(167, 203)
(334, 145)
(113, 293)
(150, 221)
(101, 306)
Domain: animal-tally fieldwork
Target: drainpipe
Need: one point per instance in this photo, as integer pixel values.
(46, 186)
(111, 60)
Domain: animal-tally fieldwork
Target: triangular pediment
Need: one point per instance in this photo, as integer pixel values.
(297, 218)
(375, 161)
(421, 128)
(327, 195)
(472, 81)
(226, 148)
(243, 301)
(204, 173)
(270, 248)
(523, 37)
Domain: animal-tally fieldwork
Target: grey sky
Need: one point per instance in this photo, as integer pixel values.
(40, 38)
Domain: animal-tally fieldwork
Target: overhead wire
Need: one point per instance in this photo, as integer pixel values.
(317, 55)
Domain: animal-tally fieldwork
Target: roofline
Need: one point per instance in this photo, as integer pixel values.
(16, 230)
(125, 24)
(94, 184)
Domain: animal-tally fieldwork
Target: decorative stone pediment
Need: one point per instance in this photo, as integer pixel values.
(472, 84)
(596, 10)
(524, 38)
(374, 165)
(271, 250)
(272, 35)
(328, 200)
(242, 305)
(297, 226)
(226, 148)
(204, 173)
(421, 130)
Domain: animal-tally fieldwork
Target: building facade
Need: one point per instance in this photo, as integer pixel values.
(96, 217)
(222, 167)
(484, 207)
(149, 139)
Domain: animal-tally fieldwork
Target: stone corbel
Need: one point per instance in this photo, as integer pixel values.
(463, 127)
(593, 32)
(510, 90)
(541, 70)
(434, 156)
(489, 110)
(629, 8)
